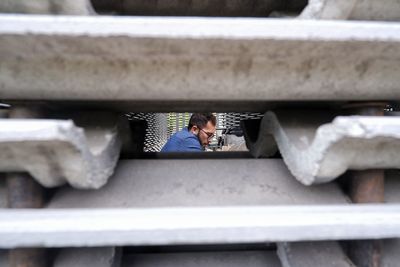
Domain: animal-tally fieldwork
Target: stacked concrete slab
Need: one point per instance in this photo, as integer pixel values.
(317, 81)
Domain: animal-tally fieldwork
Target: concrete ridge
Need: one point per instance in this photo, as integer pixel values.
(317, 151)
(57, 151)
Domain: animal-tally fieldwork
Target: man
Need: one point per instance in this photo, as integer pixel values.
(195, 137)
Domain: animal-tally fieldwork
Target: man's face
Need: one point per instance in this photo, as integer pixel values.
(206, 134)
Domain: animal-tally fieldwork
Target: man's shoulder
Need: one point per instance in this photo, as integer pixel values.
(183, 141)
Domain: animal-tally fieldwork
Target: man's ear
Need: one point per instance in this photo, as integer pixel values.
(194, 129)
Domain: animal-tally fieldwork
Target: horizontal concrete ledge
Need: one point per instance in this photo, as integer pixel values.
(198, 28)
(171, 226)
(179, 59)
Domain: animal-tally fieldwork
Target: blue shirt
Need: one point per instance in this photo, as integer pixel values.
(183, 141)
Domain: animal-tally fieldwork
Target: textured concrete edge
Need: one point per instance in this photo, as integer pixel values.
(60, 228)
(97, 166)
(66, 7)
(315, 163)
(328, 9)
(198, 28)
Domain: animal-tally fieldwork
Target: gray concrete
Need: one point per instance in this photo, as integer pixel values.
(176, 60)
(388, 10)
(390, 253)
(316, 151)
(306, 254)
(376, 10)
(204, 259)
(199, 182)
(200, 225)
(86, 257)
(56, 151)
(328, 9)
(66, 7)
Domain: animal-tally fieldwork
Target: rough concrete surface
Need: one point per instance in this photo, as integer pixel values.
(376, 10)
(317, 153)
(199, 182)
(88, 257)
(174, 60)
(306, 254)
(56, 151)
(65, 7)
(196, 225)
(328, 9)
(204, 259)
(388, 10)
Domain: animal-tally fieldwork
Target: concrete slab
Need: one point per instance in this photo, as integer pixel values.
(305, 254)
(76, 7)
(204, 259)
(353, 10)
(199, 182)
(84, 257)
(317, 153)
(56, 151)
(213, 60)
(200, 225)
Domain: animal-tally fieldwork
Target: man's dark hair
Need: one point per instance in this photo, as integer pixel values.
(201, 119)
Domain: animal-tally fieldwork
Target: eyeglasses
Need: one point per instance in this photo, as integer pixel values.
(209, 135)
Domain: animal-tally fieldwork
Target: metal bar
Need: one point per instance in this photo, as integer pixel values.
(24, 192)
(168, 226)
(367, 187)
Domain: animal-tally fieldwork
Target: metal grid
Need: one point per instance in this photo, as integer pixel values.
(156, 131)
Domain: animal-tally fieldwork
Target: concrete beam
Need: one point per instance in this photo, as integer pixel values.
(173, 226)
(56, 151)
(176, 60)
(352, 9)
(317, 150)
(199, 182)
(305, 254)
